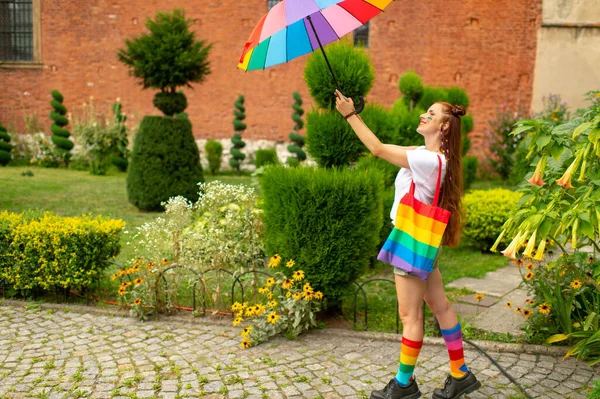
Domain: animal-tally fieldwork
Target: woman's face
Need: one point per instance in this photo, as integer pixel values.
(431, 121)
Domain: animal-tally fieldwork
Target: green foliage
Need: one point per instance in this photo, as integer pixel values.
(457, 96)
(432, 95)
(352, 68)
(5, 146)
(266, 157)
(412, 87)
(214, 152)
(328, 221)
(120, 152)
(297, 139)
(49, 251)
(388, 170)
(594, 393)
(469, 170)
(554, 110)
(502, 144)
(170, 103)
(406, 121)
(486, 212)
(386, 221)
(167, 58)
(158, 172)
(238, 126)
(60, 135)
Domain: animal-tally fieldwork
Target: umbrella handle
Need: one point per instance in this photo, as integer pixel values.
(360, 105)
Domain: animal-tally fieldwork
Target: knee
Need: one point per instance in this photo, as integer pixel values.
(438, 307)
(411, 316)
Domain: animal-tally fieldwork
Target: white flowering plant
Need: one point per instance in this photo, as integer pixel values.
(291, 312)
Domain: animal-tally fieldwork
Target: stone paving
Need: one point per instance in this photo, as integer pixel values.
(58, 354)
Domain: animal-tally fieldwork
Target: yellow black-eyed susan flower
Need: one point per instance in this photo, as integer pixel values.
(236, 307)
(529, 301)
(260, 309)
(297, 296)
(246, 343)
(509, 305)
(272, 318)
(263, 290)
(575, 284)
(137, 302)
(519, 309)
(138, 281)
(307, 288)
(519, 262)
(479, 297)
(319, 295)
(530, 266)
(288, 294)
(237, 321)
(274, 261)
(270, 281)
(270, 295)
(165, 262)
(122, 291)
(526, 313)
(290, 263)
(545, 308)
(128, 284)
(272, 304)
(591, 259)
(298, 275)
(307, 295)
(287, 284)
(250, 311)
(529, 275)
(246, 331)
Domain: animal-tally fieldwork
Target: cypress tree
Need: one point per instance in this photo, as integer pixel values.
(238, 156)
(60, 135)
(5, 146)
(297, 139)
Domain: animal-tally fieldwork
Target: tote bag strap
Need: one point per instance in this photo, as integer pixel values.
(437, 186)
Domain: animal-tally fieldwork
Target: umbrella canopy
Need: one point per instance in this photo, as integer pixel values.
(288, 30)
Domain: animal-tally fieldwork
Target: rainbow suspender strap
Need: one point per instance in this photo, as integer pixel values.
(415, 240)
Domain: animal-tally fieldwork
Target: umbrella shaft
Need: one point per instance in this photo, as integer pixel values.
(324, 55)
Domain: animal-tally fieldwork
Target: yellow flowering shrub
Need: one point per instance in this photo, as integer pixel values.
(289, 307)
(52, 251)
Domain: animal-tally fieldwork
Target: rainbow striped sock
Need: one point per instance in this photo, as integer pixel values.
(454, 343)
(409, 351)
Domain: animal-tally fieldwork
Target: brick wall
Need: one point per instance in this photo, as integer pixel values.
(483, 46)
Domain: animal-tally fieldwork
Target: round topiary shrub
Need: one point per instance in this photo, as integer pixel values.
(170, 103)
(486, 211)
(266, 157)
(214, 153)
(352, 68)
(411, 86)
(5, 146)
(165, 162)
(60, 135)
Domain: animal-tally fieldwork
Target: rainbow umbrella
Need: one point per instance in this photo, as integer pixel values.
(293, 28)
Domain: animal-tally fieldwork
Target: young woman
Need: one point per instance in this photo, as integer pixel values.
(441, 128)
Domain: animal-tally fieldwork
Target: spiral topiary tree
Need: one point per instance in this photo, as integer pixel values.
(119, 145)
(5, 146)
(297, 139)
(60, 135)
(238, 156)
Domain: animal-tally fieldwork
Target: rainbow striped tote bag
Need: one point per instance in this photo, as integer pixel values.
(415, 240)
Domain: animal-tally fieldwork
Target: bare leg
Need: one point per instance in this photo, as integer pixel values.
(435, 297)
(411, 292)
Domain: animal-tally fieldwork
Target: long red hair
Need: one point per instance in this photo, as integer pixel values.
(452, 188)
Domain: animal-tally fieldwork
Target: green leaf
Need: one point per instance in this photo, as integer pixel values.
(588, 321)
(581, 128)
(594, 134)
(542, 141)
(556, 151)
(521, 129)
(586, 228)
(557, 338)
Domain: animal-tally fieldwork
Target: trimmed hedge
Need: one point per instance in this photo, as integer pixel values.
(387, 169)
(50, 251)
(327, 221)
(266, 157)
(165, 162)
(486, 212)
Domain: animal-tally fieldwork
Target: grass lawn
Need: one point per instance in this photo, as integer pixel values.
(72, 193)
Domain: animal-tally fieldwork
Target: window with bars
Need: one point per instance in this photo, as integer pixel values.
(361, 35)
(16, 30)
(272, 3)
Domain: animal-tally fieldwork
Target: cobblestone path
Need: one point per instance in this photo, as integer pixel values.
(57, 354)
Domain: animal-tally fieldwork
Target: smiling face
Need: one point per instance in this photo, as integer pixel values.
(431, 121)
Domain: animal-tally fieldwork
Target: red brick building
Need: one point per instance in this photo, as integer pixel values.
(487, 47)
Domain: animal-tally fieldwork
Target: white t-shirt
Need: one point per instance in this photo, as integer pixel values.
(423, 169)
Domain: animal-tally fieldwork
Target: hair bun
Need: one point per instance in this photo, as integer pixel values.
(458, 111)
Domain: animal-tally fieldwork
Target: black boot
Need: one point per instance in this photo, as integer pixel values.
(454, 388)
(393, 390)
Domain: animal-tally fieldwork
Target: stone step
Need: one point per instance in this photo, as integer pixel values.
(498, 319)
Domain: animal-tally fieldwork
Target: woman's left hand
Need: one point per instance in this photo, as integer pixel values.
(343, 104)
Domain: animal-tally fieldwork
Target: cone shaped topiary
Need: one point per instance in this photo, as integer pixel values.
(238, 156)
(119, 146)
(5, 146)
(60, 135)
(165, 162)
(297, 139)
